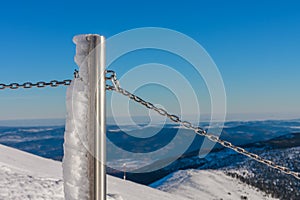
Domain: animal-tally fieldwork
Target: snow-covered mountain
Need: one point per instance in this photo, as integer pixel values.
(26, 176)
(207, 184)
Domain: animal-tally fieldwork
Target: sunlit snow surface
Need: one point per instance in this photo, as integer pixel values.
(207, 184)
(25, 176)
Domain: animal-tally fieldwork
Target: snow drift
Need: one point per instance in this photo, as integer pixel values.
(24, 176)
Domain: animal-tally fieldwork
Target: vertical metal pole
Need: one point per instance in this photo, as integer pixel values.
(97, 117)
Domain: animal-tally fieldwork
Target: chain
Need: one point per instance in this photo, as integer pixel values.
(198, 130)
(113, 79)
(188, 125)
(40, 84)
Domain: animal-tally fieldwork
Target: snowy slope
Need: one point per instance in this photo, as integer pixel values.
(209, 184)
(26, 176)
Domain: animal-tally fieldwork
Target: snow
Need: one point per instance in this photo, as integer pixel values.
(295, 127)
(26, 176)
(75, 172)
(209, 184)
(28, 163)
(35, 130)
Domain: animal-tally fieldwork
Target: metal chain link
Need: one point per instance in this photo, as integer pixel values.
(198, 130)
(113, 78)
(40, 84)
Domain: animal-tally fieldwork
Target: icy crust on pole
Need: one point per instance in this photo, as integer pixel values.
(75, 172)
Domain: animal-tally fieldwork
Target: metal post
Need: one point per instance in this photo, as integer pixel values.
(97, 117)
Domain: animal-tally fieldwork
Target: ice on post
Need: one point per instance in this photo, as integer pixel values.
(75, 168)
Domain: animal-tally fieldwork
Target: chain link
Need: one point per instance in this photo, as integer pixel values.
(198, 130)
(41, 84)
(113, 79)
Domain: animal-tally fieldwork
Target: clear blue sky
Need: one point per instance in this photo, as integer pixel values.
(255, 44)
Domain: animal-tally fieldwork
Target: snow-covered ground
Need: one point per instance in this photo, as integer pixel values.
(207, 184)
(26, 176)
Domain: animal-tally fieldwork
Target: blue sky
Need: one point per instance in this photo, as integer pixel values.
(255, 45)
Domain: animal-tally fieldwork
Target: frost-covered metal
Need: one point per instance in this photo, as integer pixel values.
(84, 159)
